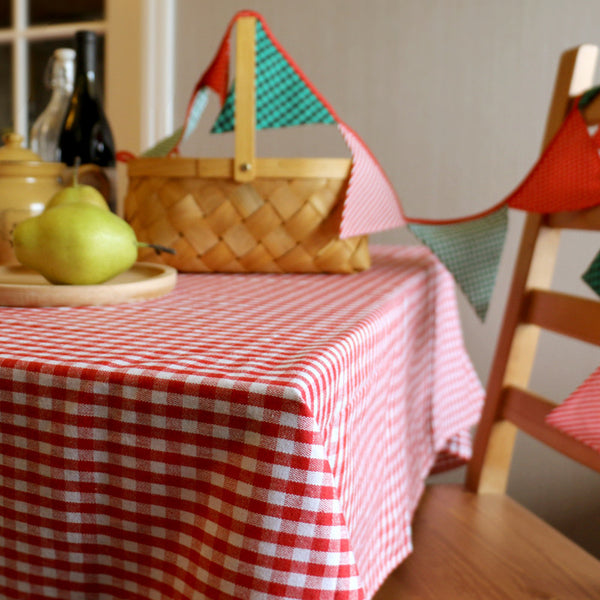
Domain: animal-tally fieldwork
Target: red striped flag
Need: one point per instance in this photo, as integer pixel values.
(371, 203)
(579, 415)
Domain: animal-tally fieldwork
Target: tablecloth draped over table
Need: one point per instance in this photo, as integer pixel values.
(245, 436)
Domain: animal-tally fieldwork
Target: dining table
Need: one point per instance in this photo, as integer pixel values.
(244, 436)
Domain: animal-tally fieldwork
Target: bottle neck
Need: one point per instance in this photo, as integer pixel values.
(60, 70)
(60, 96)
(86, 62)
(62, 81)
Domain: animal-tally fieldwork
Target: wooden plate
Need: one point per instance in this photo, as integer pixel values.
(20, 286)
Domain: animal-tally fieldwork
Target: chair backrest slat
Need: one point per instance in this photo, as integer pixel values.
(580, 220)
(528, 412)
(573, 316)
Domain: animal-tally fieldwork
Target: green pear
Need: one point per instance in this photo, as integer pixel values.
(78, 244)
(77, 193)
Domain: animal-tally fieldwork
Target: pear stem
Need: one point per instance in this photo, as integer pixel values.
(76, 171)
(156, 247)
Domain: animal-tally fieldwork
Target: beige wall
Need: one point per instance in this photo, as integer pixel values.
(451, 96)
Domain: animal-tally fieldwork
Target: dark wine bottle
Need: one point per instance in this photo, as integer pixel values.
(86, 138)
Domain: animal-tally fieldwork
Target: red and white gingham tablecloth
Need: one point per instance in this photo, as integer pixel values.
(243, 437)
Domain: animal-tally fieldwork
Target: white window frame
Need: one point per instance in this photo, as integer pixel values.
(18, 36)
(140, 65)
(139, 72)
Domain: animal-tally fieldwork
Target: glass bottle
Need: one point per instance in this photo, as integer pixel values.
(45, 131)
(86, 137)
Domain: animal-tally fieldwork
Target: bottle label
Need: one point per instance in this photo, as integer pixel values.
(104, 179)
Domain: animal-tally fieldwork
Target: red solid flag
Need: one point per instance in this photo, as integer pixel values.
(567, 175)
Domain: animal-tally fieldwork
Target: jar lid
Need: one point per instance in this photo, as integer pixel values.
(16, 160)
(13, 150)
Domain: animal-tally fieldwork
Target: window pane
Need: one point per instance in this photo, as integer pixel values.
(5, 13)
(42, 12)
(6, 105)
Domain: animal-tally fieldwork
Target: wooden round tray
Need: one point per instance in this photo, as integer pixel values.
(20, 286)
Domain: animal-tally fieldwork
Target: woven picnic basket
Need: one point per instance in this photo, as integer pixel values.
(243, 214)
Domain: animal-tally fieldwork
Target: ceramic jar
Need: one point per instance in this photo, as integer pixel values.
(26, 185)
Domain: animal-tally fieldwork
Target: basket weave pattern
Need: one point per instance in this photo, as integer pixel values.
(268, 225)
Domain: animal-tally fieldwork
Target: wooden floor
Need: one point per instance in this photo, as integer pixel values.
(391, 591)
(488, 547)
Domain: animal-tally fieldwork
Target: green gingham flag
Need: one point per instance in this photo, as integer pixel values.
(282, 97)
(592, 274)
(471, 251)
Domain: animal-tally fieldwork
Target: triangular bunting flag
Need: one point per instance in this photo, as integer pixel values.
(592, 275)
(371, 203)
(579, 415)
(283, 96)
(567, 175)
(166, 145)
(216, 78)
(471, 251)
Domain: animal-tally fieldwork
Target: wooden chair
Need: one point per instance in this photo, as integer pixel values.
(473, 541)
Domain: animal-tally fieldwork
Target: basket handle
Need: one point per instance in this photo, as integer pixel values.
(245, 103)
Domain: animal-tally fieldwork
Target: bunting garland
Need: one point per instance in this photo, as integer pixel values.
(566, 176)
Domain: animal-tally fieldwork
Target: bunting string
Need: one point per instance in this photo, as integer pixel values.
(566, 176)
